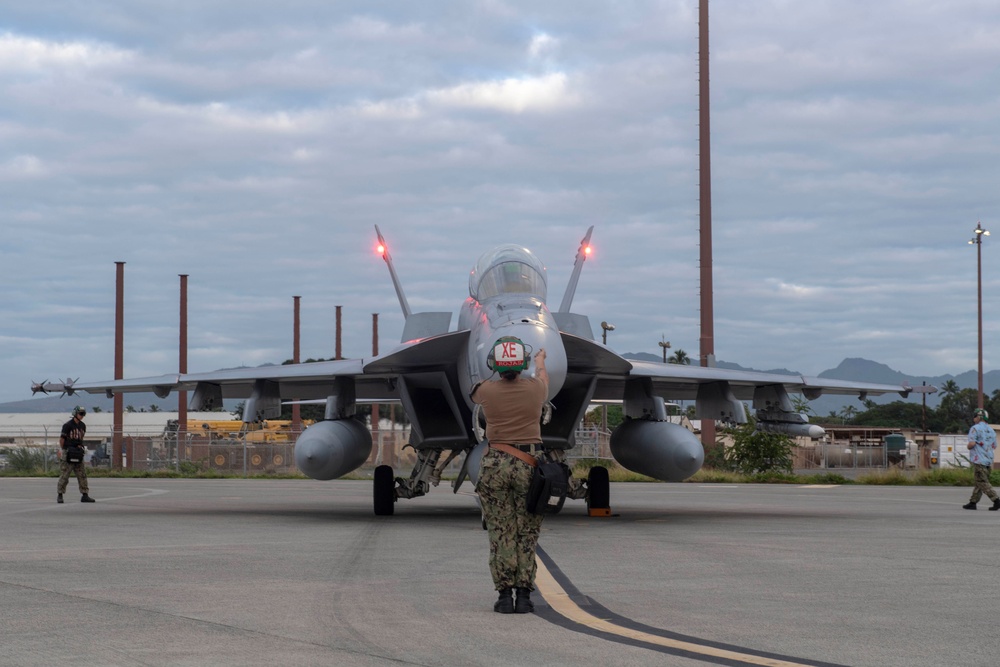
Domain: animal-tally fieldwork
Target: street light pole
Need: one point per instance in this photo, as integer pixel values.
(604, 335)
(977, 240)
(605, 328)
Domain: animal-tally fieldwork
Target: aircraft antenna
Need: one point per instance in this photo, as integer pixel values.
(581, 257)
(383, 249)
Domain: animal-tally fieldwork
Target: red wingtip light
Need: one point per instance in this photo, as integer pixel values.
(380, 249)
(587, 250)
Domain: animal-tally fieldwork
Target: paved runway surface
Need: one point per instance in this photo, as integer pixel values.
(249, 572)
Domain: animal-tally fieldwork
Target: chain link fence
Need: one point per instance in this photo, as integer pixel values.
(246, 453)
(229, 449)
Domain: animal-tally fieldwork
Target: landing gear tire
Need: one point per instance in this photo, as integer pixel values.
(384, 491)
(598, 488)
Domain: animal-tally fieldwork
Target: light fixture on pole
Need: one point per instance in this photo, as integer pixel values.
(977, 241)
(604, 335)
(604, 408)
(665, 344)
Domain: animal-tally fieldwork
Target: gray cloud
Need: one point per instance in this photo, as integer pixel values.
(253, 147)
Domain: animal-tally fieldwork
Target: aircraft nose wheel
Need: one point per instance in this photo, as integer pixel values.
(384, 491)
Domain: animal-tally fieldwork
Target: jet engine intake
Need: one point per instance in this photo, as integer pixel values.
(659, 449)
(331, 449)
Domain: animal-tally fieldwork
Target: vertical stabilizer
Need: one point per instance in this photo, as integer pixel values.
(383, 250)
(581, 257)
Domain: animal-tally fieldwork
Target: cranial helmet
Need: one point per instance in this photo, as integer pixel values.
(980, 412)
(508, 356)
(79, 411)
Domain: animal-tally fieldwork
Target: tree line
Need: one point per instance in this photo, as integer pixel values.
(952, 415)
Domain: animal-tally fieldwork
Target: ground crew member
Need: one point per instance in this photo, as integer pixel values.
(513, 408)
(72, 435)
(982, 444)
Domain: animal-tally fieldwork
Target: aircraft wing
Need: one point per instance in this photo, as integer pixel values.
(372, 377)
(679, 381)
(718, 393)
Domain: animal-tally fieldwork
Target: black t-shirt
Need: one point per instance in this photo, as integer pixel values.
(73, 431)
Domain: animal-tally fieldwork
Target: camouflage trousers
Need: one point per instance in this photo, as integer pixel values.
(503, 489)
(983, 485)
(81, 476)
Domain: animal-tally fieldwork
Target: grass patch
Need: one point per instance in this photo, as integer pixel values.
(826, 478)
(716, 476)
(581, 468)
(951, 477)
(892, 477)
(616, 473)
(104, 473)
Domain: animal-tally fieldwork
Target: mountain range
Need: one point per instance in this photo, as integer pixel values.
(861, 370)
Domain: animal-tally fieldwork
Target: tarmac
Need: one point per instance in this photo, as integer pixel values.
(290, 572)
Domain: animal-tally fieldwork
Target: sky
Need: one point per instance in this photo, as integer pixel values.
(254, 145)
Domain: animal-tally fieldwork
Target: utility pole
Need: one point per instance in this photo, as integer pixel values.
(707, 341)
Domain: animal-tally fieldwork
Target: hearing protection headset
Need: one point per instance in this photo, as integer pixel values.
(508, 356)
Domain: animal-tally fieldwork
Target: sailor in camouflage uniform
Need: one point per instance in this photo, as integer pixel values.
(513, 408)
(72, 435)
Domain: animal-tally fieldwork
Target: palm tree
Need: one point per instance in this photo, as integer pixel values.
(949, 387)
(848, 413)
(679, 357)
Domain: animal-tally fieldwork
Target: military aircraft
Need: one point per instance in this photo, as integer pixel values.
(434, 369)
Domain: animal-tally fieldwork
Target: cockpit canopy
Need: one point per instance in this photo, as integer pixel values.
(507, 269)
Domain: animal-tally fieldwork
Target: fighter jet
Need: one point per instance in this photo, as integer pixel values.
(433, 370)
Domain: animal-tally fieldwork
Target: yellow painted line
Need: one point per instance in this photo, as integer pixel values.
(559, 600)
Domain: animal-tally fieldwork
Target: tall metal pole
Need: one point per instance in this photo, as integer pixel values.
(979, 303)
(387, 457)
(182, 408)
(978, 241)
(707, 340)
(296, 411)
(117, 419)
(337, 349)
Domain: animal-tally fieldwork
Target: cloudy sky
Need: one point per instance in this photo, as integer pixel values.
(253, 145)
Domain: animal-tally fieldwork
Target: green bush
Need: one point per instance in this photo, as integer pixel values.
(756, 452)
(29, 460)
